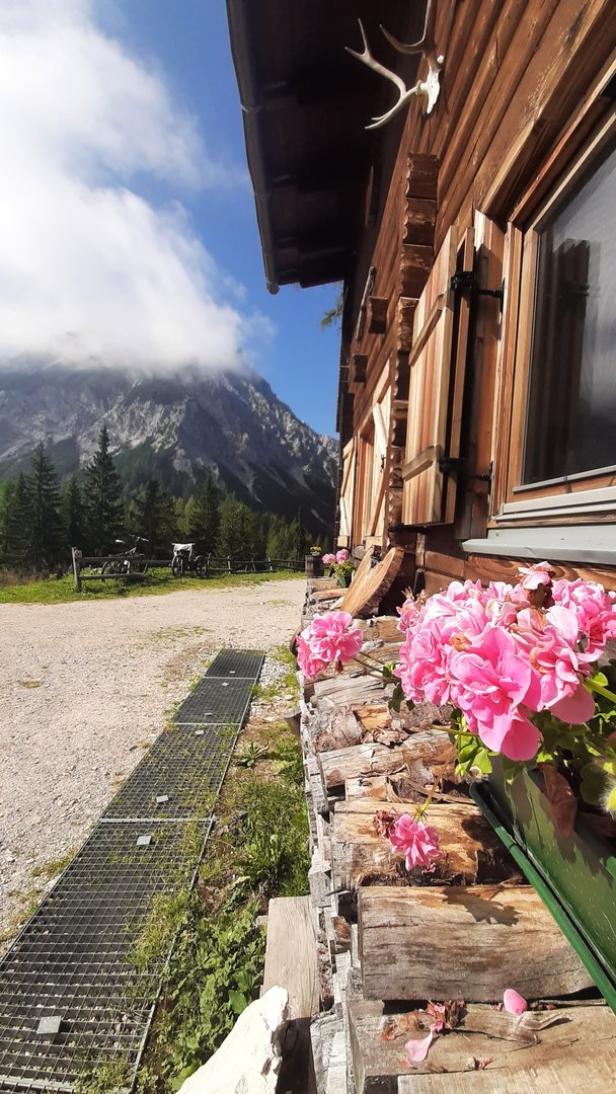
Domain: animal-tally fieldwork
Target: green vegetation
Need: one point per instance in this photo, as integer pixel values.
(156, 581)
(40, 520)
(259, 849)
(110, 1078)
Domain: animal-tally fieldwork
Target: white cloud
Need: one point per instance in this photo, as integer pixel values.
(89, 269)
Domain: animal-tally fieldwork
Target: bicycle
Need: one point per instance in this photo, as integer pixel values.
(185, 560)
(132, 561)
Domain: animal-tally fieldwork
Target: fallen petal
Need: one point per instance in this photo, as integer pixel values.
(418, 1050)
(514, 1002)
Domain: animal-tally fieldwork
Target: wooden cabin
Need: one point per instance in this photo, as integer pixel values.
(473, 231)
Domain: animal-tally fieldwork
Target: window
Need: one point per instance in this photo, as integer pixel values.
(555, 428)
(571, 413)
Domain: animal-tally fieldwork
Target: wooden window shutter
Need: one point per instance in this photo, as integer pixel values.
(436, 390)
(347, 490)
(380, 413)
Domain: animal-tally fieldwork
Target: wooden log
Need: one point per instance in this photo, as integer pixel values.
(344, 690)
(384, 627)
(472, 852)
(337, 729)
(349, 763)
(365, 594)
(463, 943)
(381, 788)
(291, 963)
(562, 1075)
(540, 1038)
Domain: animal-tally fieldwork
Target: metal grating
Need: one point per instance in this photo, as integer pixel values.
(243, 664)
(178, 778)
(71, 968)
(216, 701)
(73, 961)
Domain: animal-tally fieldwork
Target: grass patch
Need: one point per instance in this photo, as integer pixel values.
(259, 849)
(156, 582)
(111, 1077)
(55, 866)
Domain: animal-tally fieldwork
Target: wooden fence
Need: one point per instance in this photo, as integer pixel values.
(213, 566)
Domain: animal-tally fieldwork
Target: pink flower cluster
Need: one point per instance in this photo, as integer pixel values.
(329, 639)
(502, 653)
(328, 560)
(342, 555)
(418, 842)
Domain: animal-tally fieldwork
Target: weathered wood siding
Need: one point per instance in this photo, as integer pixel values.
(515, 74)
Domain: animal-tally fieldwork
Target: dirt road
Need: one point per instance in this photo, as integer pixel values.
(84, 687)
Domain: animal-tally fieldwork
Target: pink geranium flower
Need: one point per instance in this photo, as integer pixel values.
(342, 555)
(536, 576)
(330, 638)
(418, 842)
(328, 560)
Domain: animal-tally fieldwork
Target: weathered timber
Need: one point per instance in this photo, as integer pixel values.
(538, 1039)
(291, 963)
(328, 1047)
(365, 594)
(463, 943)
(377, 314)
(344, 690)
(397, 788)
(382, 788)
(337, 729)
(471, 851)
(349, 763)
(383, 627)
(562, 1075)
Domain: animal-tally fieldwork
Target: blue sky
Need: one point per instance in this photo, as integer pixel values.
(189, 40)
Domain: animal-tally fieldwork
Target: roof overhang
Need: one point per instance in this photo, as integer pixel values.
(305, 106)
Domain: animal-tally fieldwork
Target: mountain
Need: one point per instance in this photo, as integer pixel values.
(176, 427)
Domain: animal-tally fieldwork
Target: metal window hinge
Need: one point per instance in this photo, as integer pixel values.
(464, 281)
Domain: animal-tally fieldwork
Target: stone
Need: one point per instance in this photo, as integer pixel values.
(249, 1059)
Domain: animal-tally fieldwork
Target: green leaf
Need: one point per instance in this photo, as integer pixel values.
(238, 1001)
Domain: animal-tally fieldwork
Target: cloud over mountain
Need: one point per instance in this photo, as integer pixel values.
(92, 268)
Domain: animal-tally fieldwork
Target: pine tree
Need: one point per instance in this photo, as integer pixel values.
(45, 531)
(102, 496)
(17, 525)
(234, 537)
(71, 507)
(203, 516)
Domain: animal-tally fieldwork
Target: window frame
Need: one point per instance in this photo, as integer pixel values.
(582, 493)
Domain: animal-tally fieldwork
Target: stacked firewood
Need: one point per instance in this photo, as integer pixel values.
(397, 948)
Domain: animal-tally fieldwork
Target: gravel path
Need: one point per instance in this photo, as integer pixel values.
(84, 688)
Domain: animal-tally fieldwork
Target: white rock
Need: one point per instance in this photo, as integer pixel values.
(249, 1059)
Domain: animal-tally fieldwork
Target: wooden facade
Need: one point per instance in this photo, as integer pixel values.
(434, 412)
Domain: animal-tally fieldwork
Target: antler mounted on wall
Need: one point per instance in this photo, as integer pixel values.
(429, 88)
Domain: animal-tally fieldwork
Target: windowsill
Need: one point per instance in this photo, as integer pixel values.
(570, 543)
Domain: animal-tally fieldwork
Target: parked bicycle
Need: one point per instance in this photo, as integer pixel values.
(186, 560)
(130, 561)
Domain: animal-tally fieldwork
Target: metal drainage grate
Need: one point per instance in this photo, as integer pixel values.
(216, 701)
(73, 961)
(71, 996)
(178, 778)
(243, 664)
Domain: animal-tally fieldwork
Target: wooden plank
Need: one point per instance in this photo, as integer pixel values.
(291, 963)
(541, 1041)
(463, 943)
(364, 597)
(290, 954)
(472, 852)
(562, 1075)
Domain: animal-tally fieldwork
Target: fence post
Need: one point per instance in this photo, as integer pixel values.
(269, 564)
(229, 563)
(76, 556)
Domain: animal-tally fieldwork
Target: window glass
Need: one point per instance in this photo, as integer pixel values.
(571, 422)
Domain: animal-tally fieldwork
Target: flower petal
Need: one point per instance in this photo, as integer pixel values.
(514, 1002)
(575, 709)
(418, 1050)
